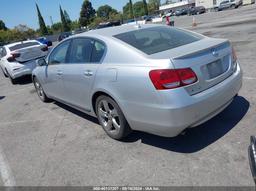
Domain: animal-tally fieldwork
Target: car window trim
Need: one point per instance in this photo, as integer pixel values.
(53, 50)
(93, 39)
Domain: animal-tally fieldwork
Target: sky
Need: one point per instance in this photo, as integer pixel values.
(15, 12)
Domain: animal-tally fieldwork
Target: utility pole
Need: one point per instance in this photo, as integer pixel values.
(51, 20)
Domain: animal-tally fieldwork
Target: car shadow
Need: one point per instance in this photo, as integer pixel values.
(77, 112)
(24, 80)
(2, 97)
(196, 139)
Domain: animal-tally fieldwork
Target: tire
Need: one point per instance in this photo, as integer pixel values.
(111, 118)
(40, 91)
(4, 72)
(13, 81)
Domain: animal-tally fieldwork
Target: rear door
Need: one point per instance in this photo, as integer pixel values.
(53, 74)
(80, 71)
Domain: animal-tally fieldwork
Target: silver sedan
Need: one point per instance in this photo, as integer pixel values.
(150, 78)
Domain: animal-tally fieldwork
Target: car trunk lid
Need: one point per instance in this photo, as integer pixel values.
(211, 60)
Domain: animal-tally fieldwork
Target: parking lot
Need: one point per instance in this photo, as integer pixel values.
(54, 145)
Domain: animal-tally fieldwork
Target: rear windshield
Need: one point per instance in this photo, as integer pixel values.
(157, 39)
(23, 45)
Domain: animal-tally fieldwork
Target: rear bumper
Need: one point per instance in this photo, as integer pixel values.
(20, 70)
(252, 157)
(179, 110)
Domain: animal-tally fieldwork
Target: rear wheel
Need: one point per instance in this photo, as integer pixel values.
(4, 72)
(40, 91)
(111, 118)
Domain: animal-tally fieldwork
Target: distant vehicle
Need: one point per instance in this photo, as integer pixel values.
(227, 4)
(108, 24)
(44, 40)
(18, 59)
(153, 78)
(196, 10)
(147, 18)
(64, 35)
(78, 31)
(181, 12)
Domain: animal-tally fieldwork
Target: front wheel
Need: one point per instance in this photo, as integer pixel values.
(111, 118)
(40, 91)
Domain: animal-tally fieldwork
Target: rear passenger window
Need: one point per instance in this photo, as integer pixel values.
(98, 51)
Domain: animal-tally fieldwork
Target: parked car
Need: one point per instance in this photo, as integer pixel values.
(108, 24)
(252, 157)
(44, 40)
(181, 12)
(19, 59)
(64, 35)
(151, 78)
(197, 10)
(227, 4)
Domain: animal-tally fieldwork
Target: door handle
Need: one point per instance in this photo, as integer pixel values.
(59, 73)
(88, 73)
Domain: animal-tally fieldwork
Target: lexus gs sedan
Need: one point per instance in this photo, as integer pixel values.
(150, 78)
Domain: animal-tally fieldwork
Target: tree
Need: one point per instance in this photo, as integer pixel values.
(105, 11)
(138, 9)
(145, 6)
(87, 13)
(67, 17)
(131, 9)
(65, 26)
(42, 26)
(153, 5)
(2, 25)
(57, 27)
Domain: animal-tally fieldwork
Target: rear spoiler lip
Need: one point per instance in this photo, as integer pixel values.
(199, 51)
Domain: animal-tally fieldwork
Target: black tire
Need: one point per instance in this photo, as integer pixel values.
(14, 81)
(111, 118)
(40, 91)
(4, 72)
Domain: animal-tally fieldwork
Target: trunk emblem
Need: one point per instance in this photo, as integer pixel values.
(215, 53)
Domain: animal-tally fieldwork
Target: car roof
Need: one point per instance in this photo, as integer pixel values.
(112, 31)
(16, 43)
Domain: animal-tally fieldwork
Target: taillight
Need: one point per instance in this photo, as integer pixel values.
(13, 56)
(172, 78)
(45, 48)
(234, 54)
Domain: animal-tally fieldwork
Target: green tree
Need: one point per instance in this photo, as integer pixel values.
(145, 6)
(42, 26)
(131, 9)
(2, 25)
(67, 16)
(105, 11)
(87, 13)
(138, 9)
(65, 26)
(153, 6)
(57, 27)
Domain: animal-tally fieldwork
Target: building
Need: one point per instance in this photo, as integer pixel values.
(208, 4)
(177, 5)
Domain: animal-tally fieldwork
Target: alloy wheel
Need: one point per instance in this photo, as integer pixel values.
(109, 117)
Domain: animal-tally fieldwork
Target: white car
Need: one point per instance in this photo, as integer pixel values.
(19, 59)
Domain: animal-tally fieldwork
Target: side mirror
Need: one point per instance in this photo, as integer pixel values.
(41, 62)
